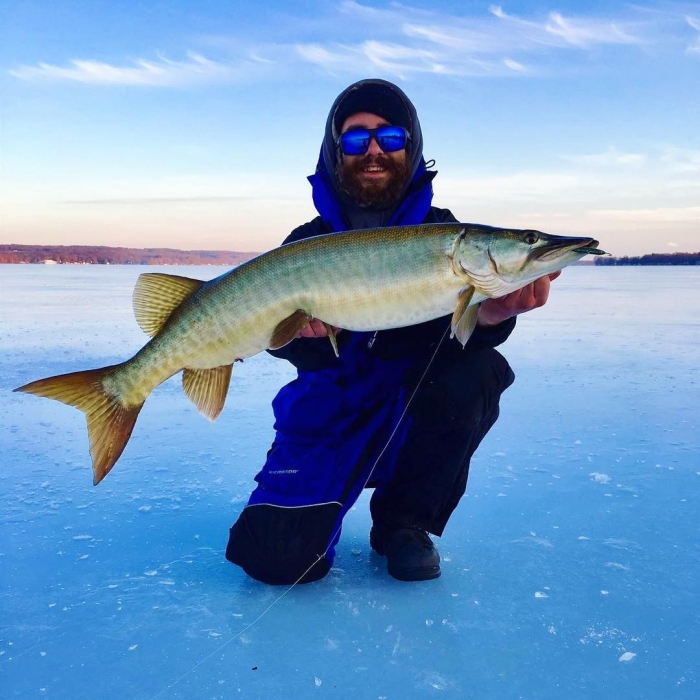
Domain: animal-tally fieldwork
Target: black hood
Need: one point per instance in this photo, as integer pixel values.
(378, 97)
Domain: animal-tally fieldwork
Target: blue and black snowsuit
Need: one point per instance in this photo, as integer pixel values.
(336, 418)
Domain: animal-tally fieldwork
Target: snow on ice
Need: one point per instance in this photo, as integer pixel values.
(123, 590)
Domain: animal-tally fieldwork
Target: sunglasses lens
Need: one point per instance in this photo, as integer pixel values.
(391, 138)
(355, 143)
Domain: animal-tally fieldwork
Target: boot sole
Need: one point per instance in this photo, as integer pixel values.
(415, 574)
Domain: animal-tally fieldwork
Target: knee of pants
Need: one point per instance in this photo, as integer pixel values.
(468, 383)
(480, 366)
(282, 546)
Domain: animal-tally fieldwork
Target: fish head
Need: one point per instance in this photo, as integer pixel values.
(499, 261)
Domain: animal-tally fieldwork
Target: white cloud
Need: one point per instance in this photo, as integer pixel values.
(397, 40)
(401, 60)
(514, 65)
(658, 215)
(694, 48)
(163, 72)
(611, 157)
(515, 187)
(357, 10)
(583, 33)
(406, 40)
(681, 160)
(395, 59)
(569, 31)
(632, 212)
(672, 244)
(315, 53)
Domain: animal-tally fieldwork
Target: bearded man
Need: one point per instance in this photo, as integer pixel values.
(372, 416)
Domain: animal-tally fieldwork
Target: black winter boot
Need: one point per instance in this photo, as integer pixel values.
(411, 554)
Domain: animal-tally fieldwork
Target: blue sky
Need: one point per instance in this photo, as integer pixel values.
(194, 125)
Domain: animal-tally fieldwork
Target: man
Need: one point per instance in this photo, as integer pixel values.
(340, 425)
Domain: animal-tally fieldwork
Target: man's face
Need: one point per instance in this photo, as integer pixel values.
(374, 179)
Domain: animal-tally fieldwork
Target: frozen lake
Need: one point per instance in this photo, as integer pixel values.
(570, 570)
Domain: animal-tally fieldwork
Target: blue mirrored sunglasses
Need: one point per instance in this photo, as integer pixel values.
(389, 138)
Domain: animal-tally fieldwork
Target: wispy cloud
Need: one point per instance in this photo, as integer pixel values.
(694, 47)
(658, 215)
(161, 72)
(396, 40)
(680, 160)
(583, 33)
(390, 58)
(408, 40)
(611, 157)
(514, 65)
(571, 31)
(119, 201)
(519, 187)
(591, 193)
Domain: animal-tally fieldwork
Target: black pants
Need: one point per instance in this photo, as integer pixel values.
(453, 408)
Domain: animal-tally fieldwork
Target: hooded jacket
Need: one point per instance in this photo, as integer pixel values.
(339, 424)
(337, 212)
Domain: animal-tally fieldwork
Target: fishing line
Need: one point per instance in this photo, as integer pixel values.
(238, 634)
(319, 557)
(402, 416)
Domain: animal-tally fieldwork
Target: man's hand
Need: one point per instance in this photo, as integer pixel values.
(315, 329)
(495, 311)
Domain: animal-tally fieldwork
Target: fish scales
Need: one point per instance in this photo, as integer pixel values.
(371, 282)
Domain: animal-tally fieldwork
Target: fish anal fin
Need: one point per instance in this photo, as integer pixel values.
(157, 295)
(331, 336)
(465, 316)
(207, 388)
(109, 423)
(288, 329)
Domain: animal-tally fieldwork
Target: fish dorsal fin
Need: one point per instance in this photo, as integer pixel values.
(287, 329)
(464, 317)
(157, 295)
(207, 388)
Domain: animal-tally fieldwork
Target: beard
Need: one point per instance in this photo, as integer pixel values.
(375, 195)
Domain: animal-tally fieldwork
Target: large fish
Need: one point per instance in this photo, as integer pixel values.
(372, 279)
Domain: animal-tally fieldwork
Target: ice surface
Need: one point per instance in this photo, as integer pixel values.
(592, 559)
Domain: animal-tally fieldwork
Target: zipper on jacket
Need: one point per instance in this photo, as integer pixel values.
(370, 342)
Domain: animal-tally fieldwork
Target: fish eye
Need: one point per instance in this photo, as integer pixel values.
(530, 237)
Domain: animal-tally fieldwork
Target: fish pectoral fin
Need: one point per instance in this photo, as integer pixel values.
(109, 422)
(464, 317)
(157, 295)
(331, 336)
(288, 329)
(207, 388)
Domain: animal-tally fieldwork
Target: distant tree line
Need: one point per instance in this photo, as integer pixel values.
(653, 259)
(105, 255)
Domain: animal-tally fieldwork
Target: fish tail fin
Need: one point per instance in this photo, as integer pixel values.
(109, 422)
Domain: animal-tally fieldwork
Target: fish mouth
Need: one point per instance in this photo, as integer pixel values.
(590, 249)
(557, 246)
